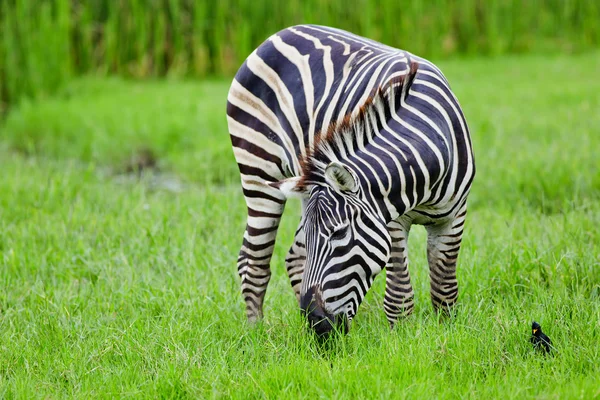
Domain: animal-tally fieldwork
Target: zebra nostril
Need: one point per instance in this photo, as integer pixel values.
(312, 307)
(323, 322)
(320, 321)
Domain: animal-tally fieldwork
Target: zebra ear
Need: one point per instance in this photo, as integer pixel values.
(340, 177)
(291, 187)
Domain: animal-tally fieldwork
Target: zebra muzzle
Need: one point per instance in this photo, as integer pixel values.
(320, 319)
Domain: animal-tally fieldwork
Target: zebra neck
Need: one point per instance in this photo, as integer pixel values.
(380, 180)
(369, 147)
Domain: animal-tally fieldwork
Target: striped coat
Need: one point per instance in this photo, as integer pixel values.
(373, 140)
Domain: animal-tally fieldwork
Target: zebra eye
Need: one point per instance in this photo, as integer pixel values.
(339, 233)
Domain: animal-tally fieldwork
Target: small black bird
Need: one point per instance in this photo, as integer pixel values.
(539, 339)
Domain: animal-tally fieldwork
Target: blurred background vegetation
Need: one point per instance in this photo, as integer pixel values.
(43, 43)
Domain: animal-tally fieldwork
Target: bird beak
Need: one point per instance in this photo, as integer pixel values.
(534, 331)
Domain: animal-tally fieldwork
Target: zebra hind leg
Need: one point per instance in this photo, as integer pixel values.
(264, 213)
(443, 246)
(294, 261)
(399, 294)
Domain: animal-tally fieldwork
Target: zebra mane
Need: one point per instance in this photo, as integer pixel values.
(354, 131)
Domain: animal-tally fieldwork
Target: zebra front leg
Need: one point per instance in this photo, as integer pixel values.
(294, 261)
(443, 246)
(399, 294)
(296, 257)
(264, 213)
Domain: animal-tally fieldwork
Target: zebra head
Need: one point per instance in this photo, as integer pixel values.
(347, 245)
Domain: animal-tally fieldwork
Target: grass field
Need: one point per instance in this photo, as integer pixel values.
(112, 287)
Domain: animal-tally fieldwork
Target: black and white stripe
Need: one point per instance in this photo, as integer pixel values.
(373, 140)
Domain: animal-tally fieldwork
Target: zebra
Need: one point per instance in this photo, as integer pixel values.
(372, 140)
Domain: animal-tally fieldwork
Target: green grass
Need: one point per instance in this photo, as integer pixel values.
(106, 121)
(112, 288)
